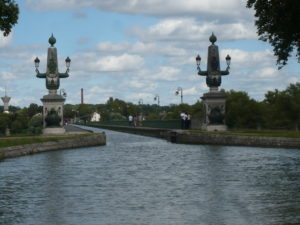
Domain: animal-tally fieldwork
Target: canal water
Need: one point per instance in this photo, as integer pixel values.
(136, 180)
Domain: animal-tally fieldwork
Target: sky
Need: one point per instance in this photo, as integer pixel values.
(136, 49)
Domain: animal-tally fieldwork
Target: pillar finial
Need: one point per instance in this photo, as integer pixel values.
(52, 40)
(212, 38)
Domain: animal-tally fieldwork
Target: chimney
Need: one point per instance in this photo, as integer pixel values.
(81, 95)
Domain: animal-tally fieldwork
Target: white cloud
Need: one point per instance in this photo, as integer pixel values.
(90, 61)
(141, 95)
(241, 59)
(123, 62)
(166, 73)
(204, 8)
(7, 76)
(189, 29)
(140, 83)
(98, 90)
(293, 80)
(5, 41)
(115, 47)
(266, 73)
(141, 48)
(191, 91)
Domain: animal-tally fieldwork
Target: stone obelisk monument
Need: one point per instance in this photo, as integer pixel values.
(214, 100)
(53, 103)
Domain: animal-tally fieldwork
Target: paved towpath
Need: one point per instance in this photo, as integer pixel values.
(74, 129)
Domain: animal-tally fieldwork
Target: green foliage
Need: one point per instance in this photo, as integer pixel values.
(278, 22)
(5, 122)
(70, 111)
(33, 109)
(9, 12)
(196, 110)
(116, 116)
(85, 111)
(241, 111)
(283, 107)
(35, 124)
(153, 116)
(19, 125)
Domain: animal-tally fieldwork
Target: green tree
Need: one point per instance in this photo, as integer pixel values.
(70, 111)
(5, 122)
(241, 111)
(34, 109)
(197, 110)
(35, 124)
(283, 107)
(9, 12)
(85, 111)
(278, 23)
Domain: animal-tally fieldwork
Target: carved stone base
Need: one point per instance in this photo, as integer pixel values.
(54, 131)
(215, 127)
(53, 102)
(214, 111)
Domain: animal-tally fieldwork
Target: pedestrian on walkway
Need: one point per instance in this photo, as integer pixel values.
(183, 117)
(135, 121)
(130, 119)
(188, 121)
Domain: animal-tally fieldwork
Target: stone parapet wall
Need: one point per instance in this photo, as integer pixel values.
(234, 140)
(181, 137)
(77, 142)
(146, 131)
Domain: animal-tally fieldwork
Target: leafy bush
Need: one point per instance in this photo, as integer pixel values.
(35, 124)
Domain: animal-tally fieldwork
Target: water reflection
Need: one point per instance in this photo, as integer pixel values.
(142, 180)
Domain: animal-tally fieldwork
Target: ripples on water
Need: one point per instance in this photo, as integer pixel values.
(137, 180)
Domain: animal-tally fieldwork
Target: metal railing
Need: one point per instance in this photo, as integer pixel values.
(169, 124)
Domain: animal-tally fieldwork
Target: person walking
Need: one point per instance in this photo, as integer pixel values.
(188, 121)
(135, 121)
(130, 119)
(183, 117)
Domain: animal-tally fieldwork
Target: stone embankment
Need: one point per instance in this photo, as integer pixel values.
(232, 140)
(182, 137)
(76, 142)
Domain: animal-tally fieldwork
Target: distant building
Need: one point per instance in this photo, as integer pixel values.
(95, 117)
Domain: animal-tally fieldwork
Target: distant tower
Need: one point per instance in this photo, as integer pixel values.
(81, 91)
(5, 100)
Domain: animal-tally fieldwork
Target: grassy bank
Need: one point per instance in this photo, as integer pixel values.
(13, 141)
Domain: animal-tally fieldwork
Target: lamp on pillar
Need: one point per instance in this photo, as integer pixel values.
(68, 63)
(179, 90)
(214, 100)
(213, 73)
(140, 101)
(37, 64)
(156, 98)
(52, 102)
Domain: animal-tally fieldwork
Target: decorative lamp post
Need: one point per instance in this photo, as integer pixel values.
(156, 98)
(52, 102)
(52, 76)
(213, 73)
(179, 90)
(214, 100)
(63, 93)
